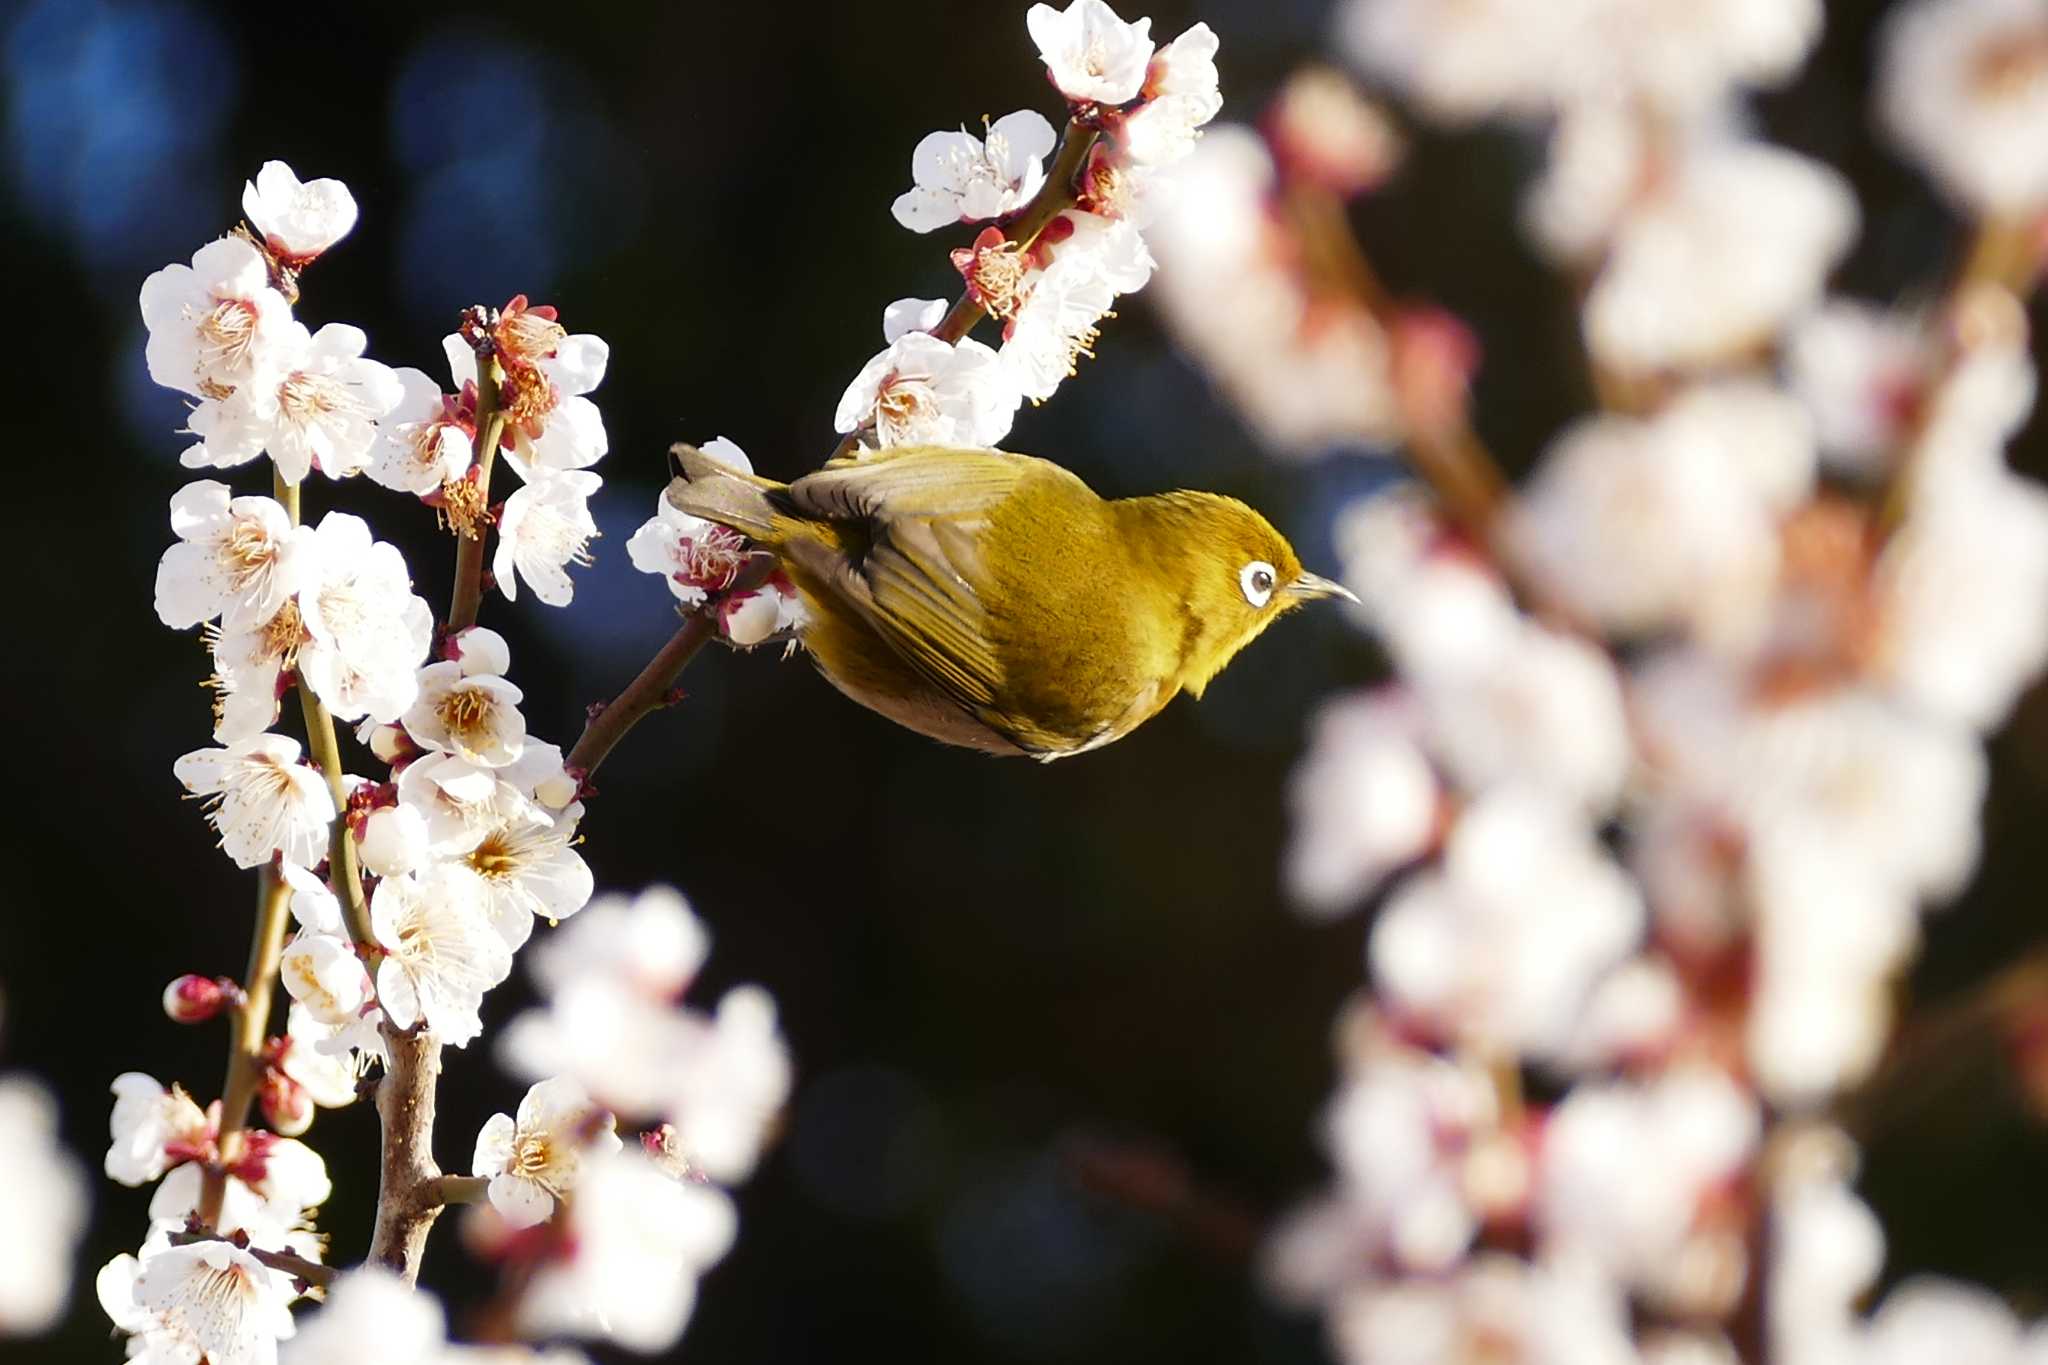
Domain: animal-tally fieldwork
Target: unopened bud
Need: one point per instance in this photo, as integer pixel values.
(749, 618)
(287, 1107)
(480, 650)
(391, 743)
(556, 790)
(393, 840)
(193, 999)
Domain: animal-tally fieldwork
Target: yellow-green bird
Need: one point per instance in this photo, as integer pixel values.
(993, 600)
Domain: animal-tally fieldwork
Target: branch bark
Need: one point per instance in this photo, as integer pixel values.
(246, 1036)
(409, 1196)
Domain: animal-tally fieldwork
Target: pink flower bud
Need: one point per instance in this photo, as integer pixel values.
(193, 999)
(286, 1105)
(391, 743)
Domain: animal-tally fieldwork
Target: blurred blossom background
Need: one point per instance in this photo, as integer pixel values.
(1062, 1038)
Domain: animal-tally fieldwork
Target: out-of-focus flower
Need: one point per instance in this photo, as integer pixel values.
(1928, 1319)
(1826, 1250)
(215, 324)
(1645, 525)
(210, 1301)
(236, 558)
(1596, 169)
(1494, 1307)
(925, 391)
(1738, 241)
(1963, 87)
(1181, 94)
(730, 1087)
(1864, 374)
(1627, 1173)
(43, 1203)
(544, 528)
(264, 801)
(367, 633)
(1962, 590)
(1307, 371)
(648, 945)
(371, 1304)
(298, 220)
(1365, 801)
(533, 1161)
(441, 950)
(960, 178)
(1324, 131)
(636, 1242)
(1091, 55)
(1486, 57)
(315, 407)
(1502, 945)
(423, 442)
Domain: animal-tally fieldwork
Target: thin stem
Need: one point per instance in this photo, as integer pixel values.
(469, 544)
(342, 868)
(457, 1189)
(249, 1028)
(1059, 193)
(650, 690)
(299, 1268)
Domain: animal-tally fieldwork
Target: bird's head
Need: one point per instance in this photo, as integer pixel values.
(1236, 575)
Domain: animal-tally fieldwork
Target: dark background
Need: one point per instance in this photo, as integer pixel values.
(994, 976)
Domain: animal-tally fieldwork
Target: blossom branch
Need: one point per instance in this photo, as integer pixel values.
(250, 1025)
(651, 688)
(469, 544)
(1060, 192)
(310, 1273)
(343, 868)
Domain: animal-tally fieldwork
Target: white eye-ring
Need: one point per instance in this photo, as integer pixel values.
(1255, 581)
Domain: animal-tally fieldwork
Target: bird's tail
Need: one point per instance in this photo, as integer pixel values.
(714, 490)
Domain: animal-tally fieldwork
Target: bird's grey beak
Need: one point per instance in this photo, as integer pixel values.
(1311, 586)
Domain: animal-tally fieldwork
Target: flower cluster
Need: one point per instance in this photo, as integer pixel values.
(1061, 245)
(644, 1224)
(391, 904)
(698, 558)
(1687, 732)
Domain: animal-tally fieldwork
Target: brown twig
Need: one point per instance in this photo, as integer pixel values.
(307, 1272)
(408, 1182)
(469, 541)
(249, 1027)
(648, 691)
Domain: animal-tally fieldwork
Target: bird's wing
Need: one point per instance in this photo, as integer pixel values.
(921, 578)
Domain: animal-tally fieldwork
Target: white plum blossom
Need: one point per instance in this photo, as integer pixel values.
(1056, 324)
(1736, 244)
(543, 528)
(923, 390)
(271, 1186)
(637, 1241)
(441, 950)
(323, 973)
(533, 1161)
(530, 869)
(313, 904)
(367, 633)
(236, 558)
(1092, 55)
(249, 668)
(215, 324)
(421, 444)
(1492, 1308)
(1502, 944)
(209, 1300)
(960, 178)
(1963, 88)
(1365, 802)
(474, 716)
(315, 407)
(1181, 94)
(263, 800)
(1114, 245)
(551, 423)
(393, 840)
(44, 1202)
(297, 220)
(329, 1076)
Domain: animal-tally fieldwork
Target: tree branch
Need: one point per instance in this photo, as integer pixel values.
(408, 1200)
(650, 690)
(249, 1029)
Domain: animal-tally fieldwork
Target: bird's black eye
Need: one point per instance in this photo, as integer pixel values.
(1255, 580)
